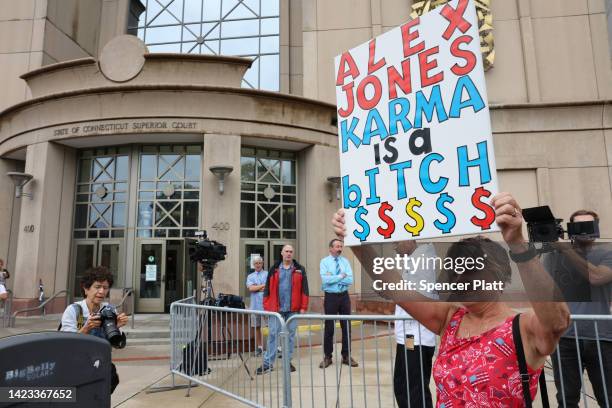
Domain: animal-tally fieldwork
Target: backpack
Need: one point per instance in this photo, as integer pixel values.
(80, 317)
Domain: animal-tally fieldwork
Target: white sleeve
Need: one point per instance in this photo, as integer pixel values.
(69, 320)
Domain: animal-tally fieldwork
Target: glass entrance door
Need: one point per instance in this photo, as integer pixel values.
(110, 254)
(174, 272)
(150, 282)
(190, 275)
(85, 255)
(97, 252)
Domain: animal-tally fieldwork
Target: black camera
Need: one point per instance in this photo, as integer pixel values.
(583, 230)
(542, 226)
(108, 317)
(207, 252)
(227, 300)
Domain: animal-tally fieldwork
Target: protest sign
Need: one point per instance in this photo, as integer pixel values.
(416, 152)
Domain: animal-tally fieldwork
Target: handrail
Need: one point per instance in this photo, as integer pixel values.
(128, 292)
(42, 305)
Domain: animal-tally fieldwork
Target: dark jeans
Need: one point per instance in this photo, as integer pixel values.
(409, 361)
(336, 303)
(570, 370)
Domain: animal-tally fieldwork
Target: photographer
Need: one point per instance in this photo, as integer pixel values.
(583, 270)
(83, 317)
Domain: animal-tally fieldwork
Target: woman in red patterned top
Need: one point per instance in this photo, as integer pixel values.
(477, 361)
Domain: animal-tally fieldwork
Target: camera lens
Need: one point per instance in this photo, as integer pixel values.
(109, 326)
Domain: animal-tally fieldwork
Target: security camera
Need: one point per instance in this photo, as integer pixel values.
(20, 180)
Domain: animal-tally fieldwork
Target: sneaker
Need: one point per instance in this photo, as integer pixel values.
(327, 361)
(259, 352)
(263, 369)
(291, 367)
(352, 363)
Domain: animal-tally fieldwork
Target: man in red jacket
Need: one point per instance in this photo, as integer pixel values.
(286, 292)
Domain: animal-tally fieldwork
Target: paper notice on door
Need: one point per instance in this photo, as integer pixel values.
(151, 273)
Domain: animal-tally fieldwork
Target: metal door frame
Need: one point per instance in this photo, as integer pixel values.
(76, 242)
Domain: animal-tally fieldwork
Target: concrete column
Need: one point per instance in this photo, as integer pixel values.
(43, 249)
(9, 216)
(529, 51)
(284, 43)
(113, 21)
(376, 17)
(315, 210)
(217, 208)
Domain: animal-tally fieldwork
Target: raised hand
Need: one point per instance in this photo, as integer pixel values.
(509, 218)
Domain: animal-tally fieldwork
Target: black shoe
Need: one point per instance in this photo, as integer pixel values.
(291, 367)
(352, 363)
(327, 361)
(263, 369)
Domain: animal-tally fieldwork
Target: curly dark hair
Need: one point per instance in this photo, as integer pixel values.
(96, 274)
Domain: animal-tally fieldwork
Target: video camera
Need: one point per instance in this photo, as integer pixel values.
(543, 227)
(207, 252)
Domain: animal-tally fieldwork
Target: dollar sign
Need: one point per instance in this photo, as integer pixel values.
(420, 223)
(483, 223)
(365, 231)
(382, 214)
(451, 220)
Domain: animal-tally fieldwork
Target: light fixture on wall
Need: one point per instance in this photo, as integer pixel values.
(20, 180)
(335, 184)
(220, 173)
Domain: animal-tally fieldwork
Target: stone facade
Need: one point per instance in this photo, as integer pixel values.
(550, 90)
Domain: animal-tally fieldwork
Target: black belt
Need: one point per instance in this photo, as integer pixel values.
(337, 293)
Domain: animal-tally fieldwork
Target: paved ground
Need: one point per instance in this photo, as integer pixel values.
(144, 365)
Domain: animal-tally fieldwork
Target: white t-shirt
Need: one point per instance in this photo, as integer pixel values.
(69, 318)
(422, 336)
(2, 289)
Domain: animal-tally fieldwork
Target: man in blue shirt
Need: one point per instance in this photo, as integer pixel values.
(256, 283)
(336, 277)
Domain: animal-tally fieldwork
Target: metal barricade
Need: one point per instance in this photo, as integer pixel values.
(7, 309)
(372, 345)
(584, 352)
(216, 348)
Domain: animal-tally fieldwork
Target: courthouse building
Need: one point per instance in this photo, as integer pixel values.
(143, 121)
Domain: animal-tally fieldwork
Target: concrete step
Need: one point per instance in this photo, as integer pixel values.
(132, 342)
(156, 333)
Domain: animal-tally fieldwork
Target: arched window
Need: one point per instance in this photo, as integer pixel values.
(245, 28)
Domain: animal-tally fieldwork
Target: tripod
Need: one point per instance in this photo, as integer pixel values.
(226, 332)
